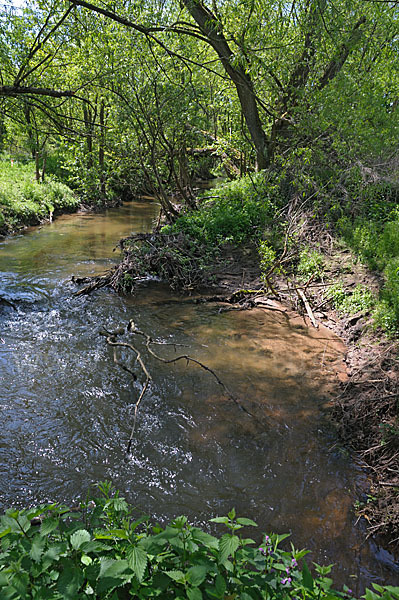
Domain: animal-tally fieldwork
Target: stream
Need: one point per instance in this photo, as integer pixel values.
(67, 409)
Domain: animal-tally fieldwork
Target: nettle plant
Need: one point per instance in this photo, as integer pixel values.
(103, 552)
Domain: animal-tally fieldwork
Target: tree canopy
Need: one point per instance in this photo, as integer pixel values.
(124, 86)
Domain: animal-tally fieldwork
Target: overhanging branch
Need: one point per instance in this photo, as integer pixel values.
(13, 91)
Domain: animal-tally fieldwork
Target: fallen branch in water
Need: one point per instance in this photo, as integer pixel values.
(176, 258)
(7, 303)
(309, 311)
(112, 340)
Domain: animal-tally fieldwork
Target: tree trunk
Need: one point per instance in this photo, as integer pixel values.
(211, 29)
(101, 149)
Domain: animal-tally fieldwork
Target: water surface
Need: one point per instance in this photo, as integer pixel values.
(67, 410)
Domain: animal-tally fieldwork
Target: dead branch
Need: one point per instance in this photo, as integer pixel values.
(112, 340)
(309, 311)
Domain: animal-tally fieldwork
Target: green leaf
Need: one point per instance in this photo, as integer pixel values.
(137, 561)
(199, 536)
(369, 595)
(220, 585)
(36, 551)
(177, 576)
(224, 520)
(245, 521)
(94, 547)
(113, 568)
(20, 582)
(196, 575)
(55, 551)
(111, 534)
(5, 532)
(228, 544)
(194, 594)
(49, 525)
(394, 590)
(3, 579)
(232, 514)
(79, 537)
(69, 581)
(307, 578)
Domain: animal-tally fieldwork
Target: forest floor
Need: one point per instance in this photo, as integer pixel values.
(365, 408)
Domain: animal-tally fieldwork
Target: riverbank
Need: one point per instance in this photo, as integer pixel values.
(325, 281)
(334, 289)
(24, 201)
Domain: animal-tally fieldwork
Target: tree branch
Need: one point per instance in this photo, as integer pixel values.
(14, 91)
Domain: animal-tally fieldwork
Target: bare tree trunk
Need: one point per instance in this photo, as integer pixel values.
(210, 28)
(101, 149)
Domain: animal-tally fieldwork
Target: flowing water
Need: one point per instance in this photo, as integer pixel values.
(67, 409)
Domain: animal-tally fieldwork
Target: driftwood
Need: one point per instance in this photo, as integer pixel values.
(174, 258)
(305, 301)
(7, 303)
(112, 338)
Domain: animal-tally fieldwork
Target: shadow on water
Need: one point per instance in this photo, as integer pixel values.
(67, 410)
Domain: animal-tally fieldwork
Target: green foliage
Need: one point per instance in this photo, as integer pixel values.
(360, 299)
(267, 256)
(104, 552)
(311, 263)
(377, 244)
(240, 213)
(384, 316)
(23, 201)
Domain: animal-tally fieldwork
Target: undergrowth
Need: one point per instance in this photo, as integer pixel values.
(23, 201)
(377, 245)
(240, 212)
(104, 552)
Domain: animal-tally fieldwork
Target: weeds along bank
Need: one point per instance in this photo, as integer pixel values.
(24, 201)
(104, 551)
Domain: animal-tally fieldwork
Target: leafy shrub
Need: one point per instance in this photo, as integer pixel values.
(239, 213)
(384, 316)
(311, 263)
(103, 552)
(23, 201)
(365, 238)
(390, 293)
(388, 243)
(361, 299)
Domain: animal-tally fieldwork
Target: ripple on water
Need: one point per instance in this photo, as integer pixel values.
(68, 410)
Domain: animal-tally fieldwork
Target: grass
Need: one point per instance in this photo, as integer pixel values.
(23, 201)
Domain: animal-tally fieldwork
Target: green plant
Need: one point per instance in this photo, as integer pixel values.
(23, 201)
(311, 263)
(103, 552)
(384, 316)
(360, 299)
(240, 213)
(267, 256)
